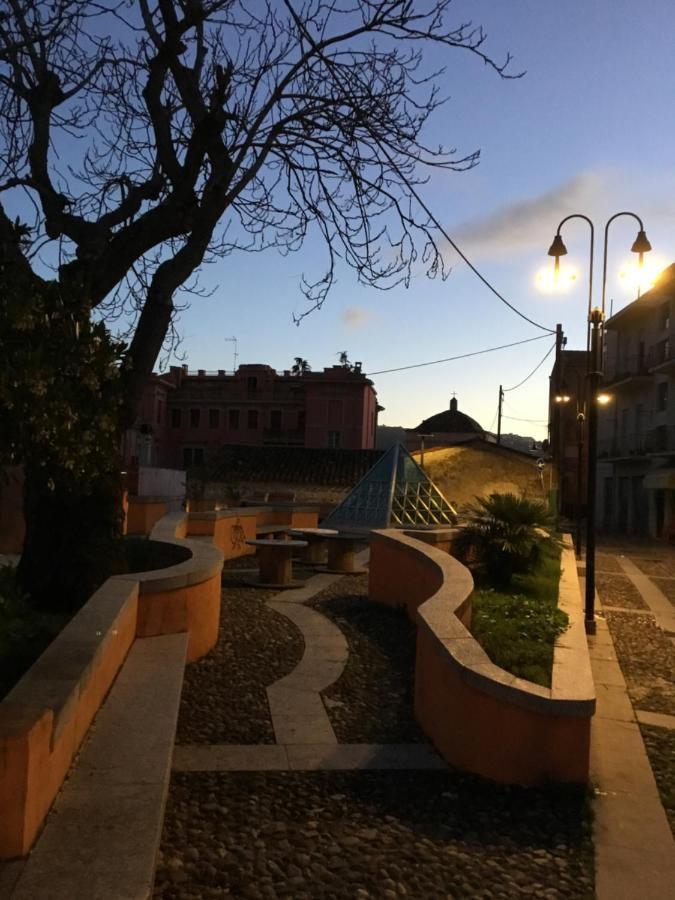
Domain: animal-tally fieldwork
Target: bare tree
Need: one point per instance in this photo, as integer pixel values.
(146, 137)
(151, 135)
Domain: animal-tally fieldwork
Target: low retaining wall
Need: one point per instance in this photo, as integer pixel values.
(479, 717)
(143, 513)
(44, 719)
(229, 528)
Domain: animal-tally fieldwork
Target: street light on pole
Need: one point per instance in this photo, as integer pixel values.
(595, 322)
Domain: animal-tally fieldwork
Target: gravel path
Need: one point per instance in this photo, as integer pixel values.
(660, 744)
(605, 562)
(224, 699)
(619, 590)
(371, 834)
(647, 658)
(372, 702)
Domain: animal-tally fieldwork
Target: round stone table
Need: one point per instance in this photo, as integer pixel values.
(315, 552)
(275, 561)
(342, 549)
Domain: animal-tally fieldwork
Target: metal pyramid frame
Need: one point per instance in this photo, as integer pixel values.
(396, 492)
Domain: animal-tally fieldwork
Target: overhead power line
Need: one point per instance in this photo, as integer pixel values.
(533, 421)
(527, 377)
(455, 247)
(435, 362)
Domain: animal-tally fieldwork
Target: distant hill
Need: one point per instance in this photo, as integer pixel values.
(392, 434)
(388, 435)
(524, 444)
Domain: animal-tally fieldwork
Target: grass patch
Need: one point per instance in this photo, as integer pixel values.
(517, 628)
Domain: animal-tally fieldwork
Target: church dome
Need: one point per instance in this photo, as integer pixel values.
(450, 421)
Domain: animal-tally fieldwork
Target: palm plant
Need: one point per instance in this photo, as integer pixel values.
(502, 535)
(301, 366)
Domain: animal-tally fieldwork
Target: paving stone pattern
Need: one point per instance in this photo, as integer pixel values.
(224, 699)
(618, 590)
(666, 586)
(605, 562)
(371, 834)
(647, 659)
(660, 744)
(372, 701)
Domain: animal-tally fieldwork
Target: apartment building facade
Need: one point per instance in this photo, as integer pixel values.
(186, 415)
(636, 430)
(568, 444)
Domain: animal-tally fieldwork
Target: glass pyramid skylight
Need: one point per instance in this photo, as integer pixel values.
(396, 492)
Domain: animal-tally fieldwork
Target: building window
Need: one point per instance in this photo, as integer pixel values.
(214, 418)
(194, 418)
(193, 456)
(334, 439)
(159, 412)
(665, 315)
(233, 419)
(662, 396)
(175, 418)
(275, 420)
(252, 383)
(301, 420)
(252, 419)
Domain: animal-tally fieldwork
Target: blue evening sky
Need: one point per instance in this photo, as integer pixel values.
(589, 128)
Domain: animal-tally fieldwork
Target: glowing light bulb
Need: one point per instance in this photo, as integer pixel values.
(641, 275)
(559, 280)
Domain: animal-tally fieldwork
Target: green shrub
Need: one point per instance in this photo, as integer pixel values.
(502, 535)
(24, 631)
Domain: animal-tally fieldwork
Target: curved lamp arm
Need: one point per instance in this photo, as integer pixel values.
(590, 270)
(604, 254)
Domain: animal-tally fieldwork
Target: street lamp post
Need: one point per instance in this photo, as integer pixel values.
(595, 323)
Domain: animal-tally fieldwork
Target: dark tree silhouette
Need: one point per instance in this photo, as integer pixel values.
(150, 136)
(300, 366)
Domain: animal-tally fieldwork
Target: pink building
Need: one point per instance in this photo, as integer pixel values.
(185, 415)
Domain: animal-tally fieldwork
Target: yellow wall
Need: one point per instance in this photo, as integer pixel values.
(468, 471)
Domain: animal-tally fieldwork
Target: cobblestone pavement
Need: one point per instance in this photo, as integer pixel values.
(224, 699)
(645, 652)
(308, 835)
(358, 833)
(380, 671)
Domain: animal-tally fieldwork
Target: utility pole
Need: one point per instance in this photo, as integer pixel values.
(499, 415)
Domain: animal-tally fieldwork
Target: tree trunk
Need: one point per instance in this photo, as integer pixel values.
(73, 536)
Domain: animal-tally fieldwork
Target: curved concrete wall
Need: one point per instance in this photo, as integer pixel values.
(480, 717)
(46, 716)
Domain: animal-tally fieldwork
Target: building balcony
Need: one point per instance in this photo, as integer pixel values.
(627, 447)
(661, 358)
(631, 371)
(662, 441)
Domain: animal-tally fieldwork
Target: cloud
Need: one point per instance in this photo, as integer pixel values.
(356, 317)
(529, 224)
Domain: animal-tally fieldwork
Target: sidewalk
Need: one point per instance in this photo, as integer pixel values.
(634, 848)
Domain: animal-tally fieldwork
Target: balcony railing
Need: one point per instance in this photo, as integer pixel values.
(620, 368)
(626, 445)
(660, 353)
